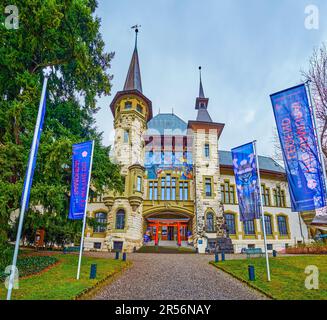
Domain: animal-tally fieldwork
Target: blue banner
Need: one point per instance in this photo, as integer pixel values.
(28, 182)
(247, 182)
(81, 166)
(300, 149)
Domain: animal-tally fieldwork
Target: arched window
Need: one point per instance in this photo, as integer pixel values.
(268, 225)
(230, 222)
(101, 218)
(282, 225)
(210, 226)
(249, 228)
(120, 220)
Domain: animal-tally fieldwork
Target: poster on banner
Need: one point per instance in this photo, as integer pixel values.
(81, 164)
(247, 182)
(300, 149)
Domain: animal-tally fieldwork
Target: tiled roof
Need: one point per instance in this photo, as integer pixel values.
(167, 123)
(265, 163)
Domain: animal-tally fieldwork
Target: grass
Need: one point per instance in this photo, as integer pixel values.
(287, 276)
(154, 249)
(59, 282)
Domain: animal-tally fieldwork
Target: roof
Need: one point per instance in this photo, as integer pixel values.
(167, 123)
(203, 115)
(133, 79)
(265, 163)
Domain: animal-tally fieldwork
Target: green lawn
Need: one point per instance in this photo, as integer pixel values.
(287, 275)
(59, 282)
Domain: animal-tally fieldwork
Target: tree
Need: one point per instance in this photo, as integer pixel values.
(65, 36)
(317, 75)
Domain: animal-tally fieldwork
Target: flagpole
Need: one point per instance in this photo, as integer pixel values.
(84, 218)
(314, 117)
(262, 213)
(27, 183)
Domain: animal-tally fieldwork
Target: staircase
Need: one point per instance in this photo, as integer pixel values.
(225, 245)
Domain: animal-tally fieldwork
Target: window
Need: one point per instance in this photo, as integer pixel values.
(282, 225)
(208, 187)
(230, 222)
(118, 245)
(120, 220)
(183, 190)
(227, 193)
(207, 150)
(139, 108)
(210, 227)
(265, 196)
(126, 136)
(173, 189)
(153, 190)
(139, 184)
(97, 245)
(279, 197)
(128, 105)
(249, 229)
(270, 247)
(268, 225)
(101, 220)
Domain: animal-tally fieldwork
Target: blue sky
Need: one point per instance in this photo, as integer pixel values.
(248, 49)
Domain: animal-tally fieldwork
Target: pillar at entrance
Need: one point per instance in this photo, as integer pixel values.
(179, 243)
(156, 241)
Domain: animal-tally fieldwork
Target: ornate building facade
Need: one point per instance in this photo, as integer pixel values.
(179, 188)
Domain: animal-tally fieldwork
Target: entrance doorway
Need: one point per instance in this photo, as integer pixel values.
(168, 229)
(171, 233)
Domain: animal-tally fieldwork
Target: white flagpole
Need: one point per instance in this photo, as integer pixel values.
(27, 182)
(84, 218)
(262, 213)
(314, 118)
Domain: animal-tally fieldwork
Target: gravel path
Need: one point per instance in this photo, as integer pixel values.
(175, 277)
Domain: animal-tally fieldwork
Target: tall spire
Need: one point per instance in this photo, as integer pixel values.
(133, 79)
(201, 104)
(201, 92)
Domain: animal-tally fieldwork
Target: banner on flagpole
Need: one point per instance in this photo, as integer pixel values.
(81, 164)
(300, 148)
(247, 185)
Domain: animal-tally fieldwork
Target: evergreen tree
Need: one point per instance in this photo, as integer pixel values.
(62, 34)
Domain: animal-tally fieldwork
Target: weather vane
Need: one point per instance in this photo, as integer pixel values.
(136, 28)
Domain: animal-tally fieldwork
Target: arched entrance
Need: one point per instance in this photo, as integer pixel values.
(168, 228)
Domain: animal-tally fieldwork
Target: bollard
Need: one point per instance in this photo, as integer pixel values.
(274, 253)
(216, 257)
(117, 255)
(124, 256)
(223, 256)
(93, 272)
(251, 273)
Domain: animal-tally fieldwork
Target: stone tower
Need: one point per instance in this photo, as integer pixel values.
(131, 110)
(206, 136)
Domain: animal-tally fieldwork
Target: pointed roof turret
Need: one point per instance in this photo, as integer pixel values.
(201, 104)
(133, 83)
(133, 79)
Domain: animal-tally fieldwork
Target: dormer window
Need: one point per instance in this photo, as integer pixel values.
(139, 108)
(128, 105)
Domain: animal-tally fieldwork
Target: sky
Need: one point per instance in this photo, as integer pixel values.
(248, 49)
